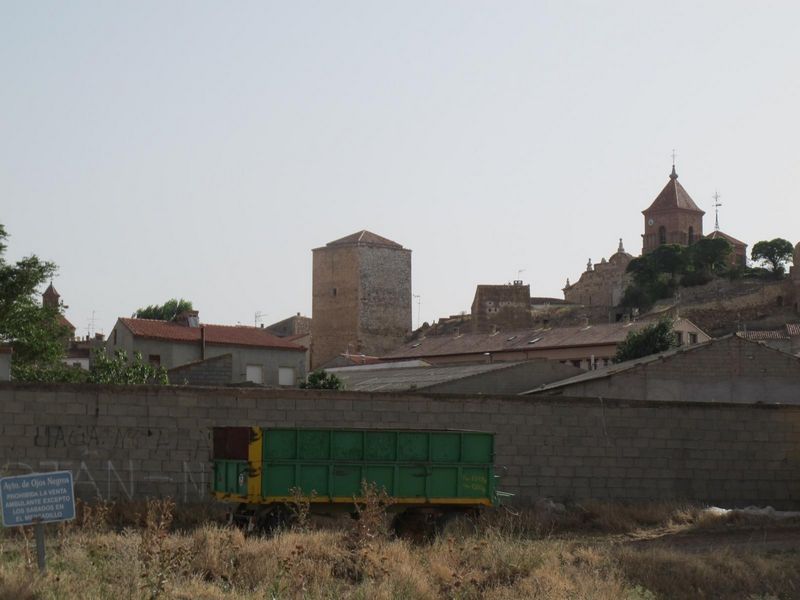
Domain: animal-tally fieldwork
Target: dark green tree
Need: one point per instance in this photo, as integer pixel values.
(33, 330)
(108, 370)
(709, 255)
(775, 253)
(648, 340)
(320, 380)
(164, 312)
(668, 258)
(118, 370)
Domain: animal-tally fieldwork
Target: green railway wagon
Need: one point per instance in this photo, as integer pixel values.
(261, 469)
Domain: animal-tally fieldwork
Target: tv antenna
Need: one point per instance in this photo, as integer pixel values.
(90, 327)
(419, 303)
(717, 204)
(259, 316)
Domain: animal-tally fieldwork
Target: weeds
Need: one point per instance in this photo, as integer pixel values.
(372, 520)
(545, 553)
(300, 508)
(159, 560)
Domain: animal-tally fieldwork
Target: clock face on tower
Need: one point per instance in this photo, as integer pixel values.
(650, 222)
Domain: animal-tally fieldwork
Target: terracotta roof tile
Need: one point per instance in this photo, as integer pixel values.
(673, 196)
(64, 322)
(366, 238)
(720, 234)
(773, 334)
(528, 339)
(233, 335)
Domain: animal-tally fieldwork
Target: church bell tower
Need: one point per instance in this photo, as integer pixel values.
(672, 218)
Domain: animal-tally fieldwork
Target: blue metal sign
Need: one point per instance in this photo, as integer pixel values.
(37, 498)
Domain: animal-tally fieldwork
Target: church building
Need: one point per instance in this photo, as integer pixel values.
(672, 218)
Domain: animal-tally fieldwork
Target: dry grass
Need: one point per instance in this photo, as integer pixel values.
(543, 552)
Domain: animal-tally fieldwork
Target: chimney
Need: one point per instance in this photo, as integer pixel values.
(202, 343)
(188, 318)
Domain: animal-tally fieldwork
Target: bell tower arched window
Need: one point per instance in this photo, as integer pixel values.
(691, 235)
(662, 235)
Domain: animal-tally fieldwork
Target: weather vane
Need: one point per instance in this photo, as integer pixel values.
(717, 204)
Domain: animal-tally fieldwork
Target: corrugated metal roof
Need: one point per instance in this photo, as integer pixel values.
(395, 380)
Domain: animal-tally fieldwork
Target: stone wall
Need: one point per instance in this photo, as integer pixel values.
(503, 307)
(135, 442)
(385, 299)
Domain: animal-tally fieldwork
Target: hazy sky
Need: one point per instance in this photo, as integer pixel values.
(197, 149)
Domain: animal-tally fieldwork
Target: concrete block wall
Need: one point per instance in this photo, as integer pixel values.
(138, 442)
(214, 371)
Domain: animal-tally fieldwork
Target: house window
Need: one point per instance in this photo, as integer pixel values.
(692, 338)
(154, 359)
(254, 374)
(286, 376)
(333, 292)
(662, 235)
(679, 336)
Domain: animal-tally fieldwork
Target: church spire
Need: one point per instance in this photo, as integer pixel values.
(673, 175)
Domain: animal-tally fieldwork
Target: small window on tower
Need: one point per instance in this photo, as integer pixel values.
(691, 235)
(662, 235)
(333, 291)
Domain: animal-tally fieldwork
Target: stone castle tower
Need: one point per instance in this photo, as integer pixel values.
(672, 218)
(361, 297)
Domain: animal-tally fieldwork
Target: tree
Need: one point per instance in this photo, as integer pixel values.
(33, 330)
(106, 370)
(775, 253)
(164, 312)
(320, 380)
(668, 258)
(649, 340)
(119, 370)
(710, 255)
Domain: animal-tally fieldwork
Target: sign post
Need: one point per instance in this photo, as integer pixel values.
(36, 499)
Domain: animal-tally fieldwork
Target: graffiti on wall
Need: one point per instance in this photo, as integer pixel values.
(121, 480)
(112, 438)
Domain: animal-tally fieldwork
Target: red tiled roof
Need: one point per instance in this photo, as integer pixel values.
(364, 237)
(233, 335)
(520, 340)
(772, 334)
(673, 196)
(64, 322)
(732, 240)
